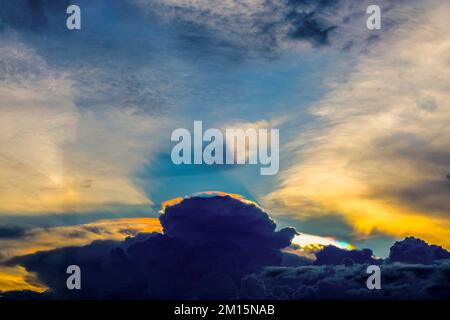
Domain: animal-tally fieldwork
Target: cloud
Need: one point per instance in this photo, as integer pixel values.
(398, 282)
(40, 239)
(261, 25)
(14, 278)
(413, 250)
(240, 223)
(29, 241)
(331, 255)
(220, 247)
(390, 177)
(414, 270)
(58, 156)
(232, 25)
(207, 246)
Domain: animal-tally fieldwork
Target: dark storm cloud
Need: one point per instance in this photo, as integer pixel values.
(232, 222)
(399, 281)
(208, 245)
(420, 271)
(413, 250)
(220, 247)
(331, 255)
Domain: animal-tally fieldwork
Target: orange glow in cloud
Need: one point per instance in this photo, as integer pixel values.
(171, 202)
(177, 200)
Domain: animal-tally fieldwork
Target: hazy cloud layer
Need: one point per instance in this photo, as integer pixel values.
(273, 25)
(380, 156)
(255, 25)
(56, 156)
(399, 282)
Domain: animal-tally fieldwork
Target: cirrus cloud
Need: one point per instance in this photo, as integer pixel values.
(380, 156)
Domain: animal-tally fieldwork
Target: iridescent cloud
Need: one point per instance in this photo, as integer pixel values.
(381, 155)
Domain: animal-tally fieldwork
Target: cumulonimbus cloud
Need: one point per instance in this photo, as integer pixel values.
(224, 247)
(207, 246)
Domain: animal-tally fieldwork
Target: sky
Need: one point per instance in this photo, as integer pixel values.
(86, 116)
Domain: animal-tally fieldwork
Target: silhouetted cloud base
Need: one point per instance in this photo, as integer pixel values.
(226, 248)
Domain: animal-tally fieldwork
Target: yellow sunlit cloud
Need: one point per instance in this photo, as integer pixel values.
(381, 157)
(58, 157)
(17, 278)
(177, 200)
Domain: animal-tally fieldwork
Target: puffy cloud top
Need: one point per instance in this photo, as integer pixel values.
(223, 219)
(224, 248)
(331, 255)
(413, 250)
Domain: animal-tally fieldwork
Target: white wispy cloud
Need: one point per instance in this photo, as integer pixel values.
(381, 154)
(56, 156)
(282, 24)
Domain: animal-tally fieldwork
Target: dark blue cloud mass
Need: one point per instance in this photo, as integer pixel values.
(331, 255)
(221, 247)
(208, 245)
(414, 270)
(398, 281)
(413, 250)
